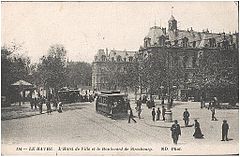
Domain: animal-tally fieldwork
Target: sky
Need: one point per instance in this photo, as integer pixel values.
(85, 27)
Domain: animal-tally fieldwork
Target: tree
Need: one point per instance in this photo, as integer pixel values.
(14, 67)
(79, 73)
(218, 74)
(52, 69)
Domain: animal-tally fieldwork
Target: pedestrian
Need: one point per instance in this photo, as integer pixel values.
(186, 116)
(35, 103)
(158, 113)
(31, 102)
(163, 112)
(171, 102)
(176, 131)
(215, 101)
(198, 132)
(225, 128)
(153, 114)
(49, 110)
(213, 114)
(131, 116)
(162, 101)
(60, 107)
(139, 112)
(41, 100)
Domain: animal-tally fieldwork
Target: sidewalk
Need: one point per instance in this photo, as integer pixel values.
(15, 111)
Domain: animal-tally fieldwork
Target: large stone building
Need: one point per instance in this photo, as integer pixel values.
(106, 62)
(183, 49)
(180, 51)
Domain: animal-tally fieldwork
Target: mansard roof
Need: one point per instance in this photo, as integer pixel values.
(154, 33)
(123, 54)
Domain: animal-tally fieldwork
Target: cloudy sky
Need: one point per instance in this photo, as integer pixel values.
(85, 27)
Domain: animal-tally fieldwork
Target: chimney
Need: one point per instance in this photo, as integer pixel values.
(191, 29)
(164, 31)
(106, 51)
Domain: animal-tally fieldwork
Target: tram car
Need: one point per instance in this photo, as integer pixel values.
(69, 96)
(112, 103)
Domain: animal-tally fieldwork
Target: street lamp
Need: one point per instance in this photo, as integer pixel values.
(168, 111)
(161, 87)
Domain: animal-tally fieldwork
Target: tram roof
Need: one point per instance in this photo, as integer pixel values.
(112, 95)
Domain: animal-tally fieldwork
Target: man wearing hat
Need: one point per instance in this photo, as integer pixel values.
(225, 128)
(176, 131)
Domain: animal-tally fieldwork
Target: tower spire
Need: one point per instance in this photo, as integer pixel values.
(172, 11)
(155, 23)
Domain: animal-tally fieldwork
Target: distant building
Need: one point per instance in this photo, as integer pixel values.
(102, 65)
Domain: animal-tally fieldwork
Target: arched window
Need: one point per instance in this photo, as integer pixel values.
(175, 42)
(185, 42)
(119, 58)
(130, 59)
(194, 44)
(104, 58)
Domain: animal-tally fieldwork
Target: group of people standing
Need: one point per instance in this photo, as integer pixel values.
(176, 129)
(156, 114)
(37, 101)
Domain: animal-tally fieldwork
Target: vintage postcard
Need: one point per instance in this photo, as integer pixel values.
(121, 78)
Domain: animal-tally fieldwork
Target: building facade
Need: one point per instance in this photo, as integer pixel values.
(183, 51)
(106, 63)
(174, 63)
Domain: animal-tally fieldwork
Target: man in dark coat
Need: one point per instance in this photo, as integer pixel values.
(186, 116)
(162, 101)
(163, 112)
(153, 114)
(176, 131)
(225, 128)
(131, 116)
(158, 113)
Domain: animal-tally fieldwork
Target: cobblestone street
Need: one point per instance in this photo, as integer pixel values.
(79, 125)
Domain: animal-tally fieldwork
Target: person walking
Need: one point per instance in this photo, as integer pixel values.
(176, 131)
(41, 101)
(213, 110)
(162, 101)
(186, 116)
(131, 116)
(198, 132)
(163, 112)
(153, 114)
(139, 111)
(49, 110)
(225, 128)
(158, 113)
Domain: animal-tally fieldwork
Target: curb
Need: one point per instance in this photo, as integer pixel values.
(25, 116)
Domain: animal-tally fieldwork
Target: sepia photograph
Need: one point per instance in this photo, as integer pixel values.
(119, 78)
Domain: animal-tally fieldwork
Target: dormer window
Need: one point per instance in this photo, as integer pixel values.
(130, 59)
(194, 44)
(185, 42)
(175, 42)
(161, 41)
(103, 58)
(212, 42)
(119, 58)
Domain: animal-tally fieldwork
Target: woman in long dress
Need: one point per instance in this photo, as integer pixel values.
(198, 132)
